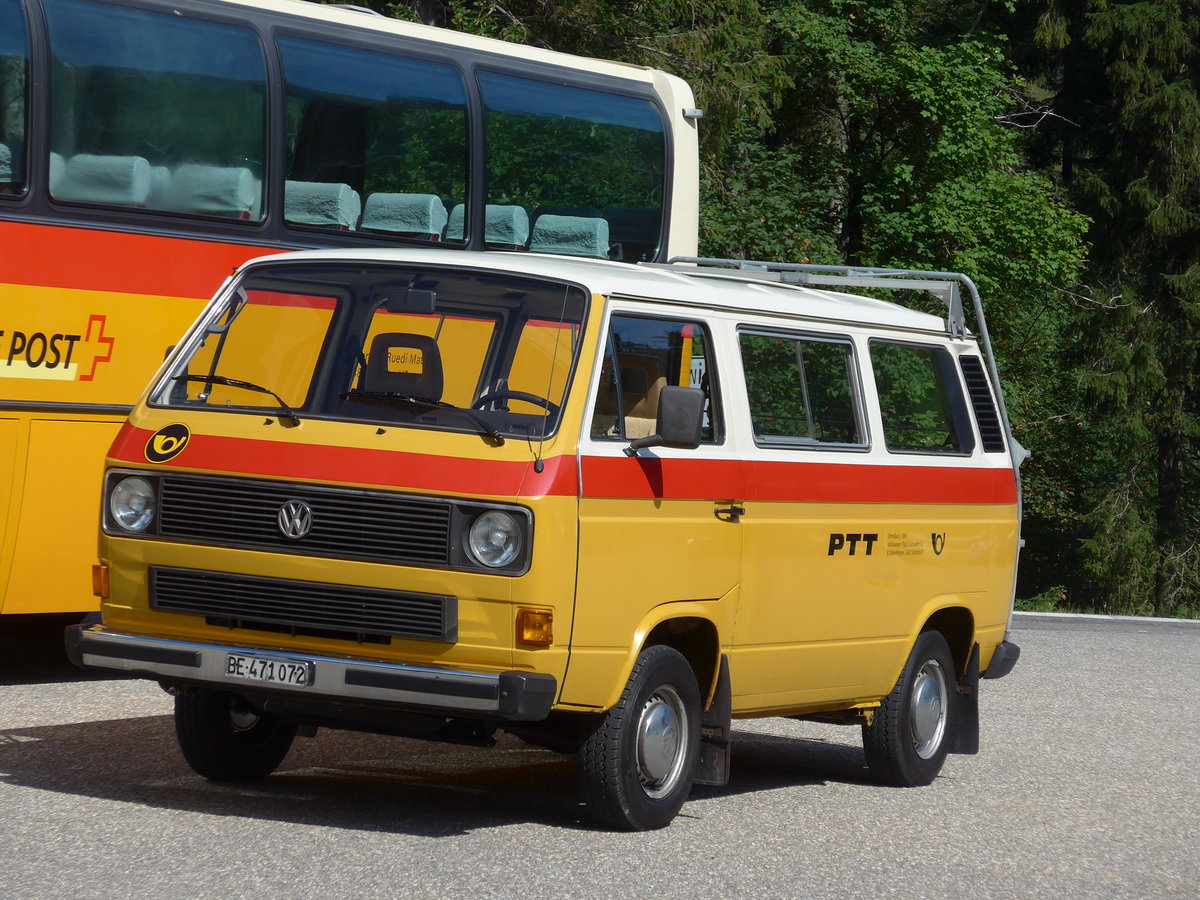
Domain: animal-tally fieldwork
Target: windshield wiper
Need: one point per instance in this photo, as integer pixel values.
(286, 412)
(391, 397)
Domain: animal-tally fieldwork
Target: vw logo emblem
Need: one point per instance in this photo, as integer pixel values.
(295, 519)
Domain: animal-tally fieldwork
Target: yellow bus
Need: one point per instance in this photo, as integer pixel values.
(147, 148)
(606, 508)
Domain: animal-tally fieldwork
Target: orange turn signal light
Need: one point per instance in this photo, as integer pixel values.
(535, 626)
(100, 580)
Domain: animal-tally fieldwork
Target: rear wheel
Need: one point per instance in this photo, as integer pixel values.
(223, 738)
(636, 766)
(909, 736)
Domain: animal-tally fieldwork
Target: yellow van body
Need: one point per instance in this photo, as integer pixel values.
(608, 508)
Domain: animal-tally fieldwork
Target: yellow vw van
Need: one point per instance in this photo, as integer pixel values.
(606, 508)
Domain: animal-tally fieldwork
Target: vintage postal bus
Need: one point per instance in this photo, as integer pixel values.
(607, 508)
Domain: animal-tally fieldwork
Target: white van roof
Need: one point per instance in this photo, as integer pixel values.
(701, 286)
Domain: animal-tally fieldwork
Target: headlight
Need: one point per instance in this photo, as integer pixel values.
(495, 538)
(132, 503)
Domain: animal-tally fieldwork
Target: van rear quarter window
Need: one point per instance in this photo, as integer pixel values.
(920, 399)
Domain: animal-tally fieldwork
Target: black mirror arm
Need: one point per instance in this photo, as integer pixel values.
(654, 440)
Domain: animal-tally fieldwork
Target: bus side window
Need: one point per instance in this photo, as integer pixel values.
(166, 113)
(384, 144)
(608, 150)
(14, 98)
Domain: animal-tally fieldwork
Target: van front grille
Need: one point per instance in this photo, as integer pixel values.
(304, 607)
(342, 523)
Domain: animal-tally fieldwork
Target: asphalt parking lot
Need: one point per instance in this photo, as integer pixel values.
(1087, 784)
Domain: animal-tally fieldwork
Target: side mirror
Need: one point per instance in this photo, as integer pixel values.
(680, 420)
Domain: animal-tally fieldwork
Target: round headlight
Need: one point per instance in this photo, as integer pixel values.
(495, 538)
(132, 504)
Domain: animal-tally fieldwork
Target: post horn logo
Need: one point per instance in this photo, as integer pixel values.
(939, 543)
(167, 443)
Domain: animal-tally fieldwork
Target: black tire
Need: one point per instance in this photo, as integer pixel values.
(224, 739)
(637, 764)
(911, 732)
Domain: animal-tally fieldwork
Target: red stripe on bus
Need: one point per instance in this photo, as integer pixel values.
(604, 477)
(355, 465)
(880, 483)
(58, 256)
(758, 480)
(651, 477)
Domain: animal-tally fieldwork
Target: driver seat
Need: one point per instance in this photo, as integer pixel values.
(402, 363)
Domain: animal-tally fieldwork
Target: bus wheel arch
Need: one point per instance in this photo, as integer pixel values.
(696, 640)
(956, 624)
(913, 729)
(637, 759)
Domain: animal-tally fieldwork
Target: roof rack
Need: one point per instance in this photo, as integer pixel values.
(943, 285)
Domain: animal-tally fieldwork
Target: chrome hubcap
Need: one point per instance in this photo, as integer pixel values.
(661, 739)
(242, 718)
(929, 709)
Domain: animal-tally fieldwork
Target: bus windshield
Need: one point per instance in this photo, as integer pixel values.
(387, 345)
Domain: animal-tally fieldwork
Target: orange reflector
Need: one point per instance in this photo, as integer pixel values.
(100, 580)
(535, 626)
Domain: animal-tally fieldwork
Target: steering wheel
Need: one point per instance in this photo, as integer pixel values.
(551, 408)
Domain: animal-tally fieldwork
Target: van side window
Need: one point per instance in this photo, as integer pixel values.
(801, 389)
(14, 98)
(643, 356)
(920, 399)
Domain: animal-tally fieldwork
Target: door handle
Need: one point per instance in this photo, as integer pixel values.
(730, 513)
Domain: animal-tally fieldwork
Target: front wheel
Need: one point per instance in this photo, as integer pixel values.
(909, 735)
(637, 764)
(225, 739)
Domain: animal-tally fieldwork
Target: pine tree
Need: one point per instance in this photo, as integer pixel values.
(1123, 79)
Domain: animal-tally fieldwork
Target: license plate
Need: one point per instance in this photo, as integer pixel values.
(270, 671)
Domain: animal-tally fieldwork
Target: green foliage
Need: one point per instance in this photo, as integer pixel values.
(1128, 145)
(1048, 149)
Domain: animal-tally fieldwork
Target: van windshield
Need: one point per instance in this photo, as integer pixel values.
(434, 347)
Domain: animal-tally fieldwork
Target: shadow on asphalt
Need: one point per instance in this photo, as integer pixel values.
(370, 782)
(31, 651)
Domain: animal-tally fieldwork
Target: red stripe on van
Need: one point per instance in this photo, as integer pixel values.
(880, 483)
(701, 479)
(622, 477)
(357, 466)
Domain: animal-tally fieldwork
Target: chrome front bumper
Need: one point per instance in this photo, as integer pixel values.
(510, 696)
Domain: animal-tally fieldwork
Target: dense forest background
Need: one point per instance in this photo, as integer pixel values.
(1050, 149)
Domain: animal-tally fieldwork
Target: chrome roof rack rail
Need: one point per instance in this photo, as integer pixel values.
(944, 285)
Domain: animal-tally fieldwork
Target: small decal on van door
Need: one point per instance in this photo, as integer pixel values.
(939, 543)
